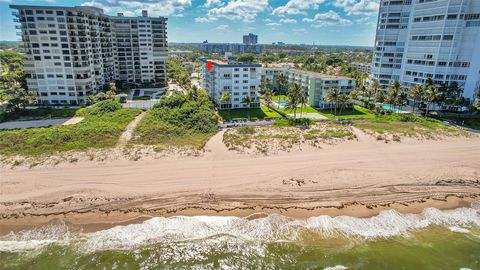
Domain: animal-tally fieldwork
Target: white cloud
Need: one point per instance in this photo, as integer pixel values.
(134, 8)
(204, 19)
(273, 24)
(288, 21)
(330, 18)
(267, 20)
(222, 27)
(297, 7)
(213, 3)
(358, 7)
(245, 10)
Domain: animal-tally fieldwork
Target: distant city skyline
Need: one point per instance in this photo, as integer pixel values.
(323, 22)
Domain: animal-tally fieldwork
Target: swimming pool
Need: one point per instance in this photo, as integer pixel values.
(281, 103)
(391, 108)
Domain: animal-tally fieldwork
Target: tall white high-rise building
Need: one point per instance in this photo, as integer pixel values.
(421, 39)
(72, 52)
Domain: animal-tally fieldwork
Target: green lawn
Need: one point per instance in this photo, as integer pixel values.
(356, 112)
(258, 113)
(279, 97)
(306, 109)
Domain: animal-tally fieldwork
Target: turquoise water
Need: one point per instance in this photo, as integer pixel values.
(281, 103)
(391, 108)
(433, 239)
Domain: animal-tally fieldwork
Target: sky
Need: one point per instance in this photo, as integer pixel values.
(323, 22)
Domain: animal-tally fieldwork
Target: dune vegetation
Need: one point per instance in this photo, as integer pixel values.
(102, 126)
(178, 120)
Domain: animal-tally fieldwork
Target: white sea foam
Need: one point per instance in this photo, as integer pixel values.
(336, 267)
(458, 229)
(272, 228)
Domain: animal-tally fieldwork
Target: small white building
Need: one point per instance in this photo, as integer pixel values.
(316, 85)
(362, 67)
(238, 78)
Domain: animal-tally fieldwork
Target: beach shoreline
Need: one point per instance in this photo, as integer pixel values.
(356, 178)
(96, 220)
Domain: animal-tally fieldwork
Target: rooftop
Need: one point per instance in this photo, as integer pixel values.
(94, 10)
(231, 63)
(311, 73)
(320, 75)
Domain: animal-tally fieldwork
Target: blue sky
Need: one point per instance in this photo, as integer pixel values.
(324, 22)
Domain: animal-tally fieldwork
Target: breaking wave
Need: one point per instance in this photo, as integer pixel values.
(272, 228)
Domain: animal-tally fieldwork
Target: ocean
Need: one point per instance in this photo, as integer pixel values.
(433, 239)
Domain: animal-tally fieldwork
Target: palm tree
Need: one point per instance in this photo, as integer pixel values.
(342, 100)
(362, 86)
(225, 98)
(416, 92)
(281, 81)
(375, 88)
(431, 94)
(393, 93)
(247, 100)
(267, 97)
(264, 85)
(477, 102)
(454, 93)
(294, 96)
(353, 94)
(302, 100)
(380, 96)
(332, 97)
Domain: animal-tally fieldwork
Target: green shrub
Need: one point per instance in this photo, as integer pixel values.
(177, 117)
(102, 107)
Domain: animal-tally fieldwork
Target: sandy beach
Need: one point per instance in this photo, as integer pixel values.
(356, 178)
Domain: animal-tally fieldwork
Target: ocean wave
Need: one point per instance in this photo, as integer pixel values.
(272, 228)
